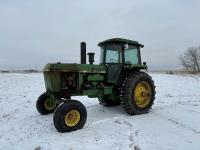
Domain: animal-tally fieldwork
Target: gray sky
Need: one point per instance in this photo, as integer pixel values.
(41, 31)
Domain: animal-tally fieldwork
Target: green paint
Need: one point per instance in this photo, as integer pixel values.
(95, 77)
(119, 40)
(62, 79)
(83, 68)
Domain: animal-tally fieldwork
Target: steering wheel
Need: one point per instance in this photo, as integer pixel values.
(113, 60)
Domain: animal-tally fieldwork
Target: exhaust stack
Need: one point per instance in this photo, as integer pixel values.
(83, 53)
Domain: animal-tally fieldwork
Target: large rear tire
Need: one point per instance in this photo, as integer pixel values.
(137, 93)
(70, 116)
(107, 101)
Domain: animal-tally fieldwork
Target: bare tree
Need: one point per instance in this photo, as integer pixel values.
(184, 63)
(190, 60)
(193, 52)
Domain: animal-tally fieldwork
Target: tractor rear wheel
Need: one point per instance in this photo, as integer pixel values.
(45, 105)
(107, 101)
(70, 116)
(137, 93)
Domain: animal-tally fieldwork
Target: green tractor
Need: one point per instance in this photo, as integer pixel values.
(117, 80)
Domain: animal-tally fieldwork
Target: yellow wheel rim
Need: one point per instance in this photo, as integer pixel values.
(49, 104)
(72, 118)
(142, 94)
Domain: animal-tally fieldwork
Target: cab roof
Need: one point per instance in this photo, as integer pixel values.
(119, 40)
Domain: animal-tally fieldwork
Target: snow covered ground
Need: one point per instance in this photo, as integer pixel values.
(172, 124)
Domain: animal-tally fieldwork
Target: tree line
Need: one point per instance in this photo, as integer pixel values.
(190, 59)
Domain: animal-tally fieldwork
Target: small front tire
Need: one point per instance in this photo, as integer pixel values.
(45, 105)
(70, 116)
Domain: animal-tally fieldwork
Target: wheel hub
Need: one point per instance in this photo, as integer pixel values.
(142, 94)
(145, 94)
(72, 118)
(49, 104)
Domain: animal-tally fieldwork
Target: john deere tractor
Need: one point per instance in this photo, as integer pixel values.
(117, 80)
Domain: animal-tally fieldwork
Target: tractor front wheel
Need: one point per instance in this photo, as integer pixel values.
(45, 105)
(70, 116)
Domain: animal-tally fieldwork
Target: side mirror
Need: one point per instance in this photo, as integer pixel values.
(125, 46)
(144, 63)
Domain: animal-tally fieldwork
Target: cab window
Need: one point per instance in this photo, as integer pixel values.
(131, 55)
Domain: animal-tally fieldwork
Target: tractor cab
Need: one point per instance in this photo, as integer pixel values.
(120, 51)
(120, 55)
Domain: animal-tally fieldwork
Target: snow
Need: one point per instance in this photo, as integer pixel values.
(173, 123)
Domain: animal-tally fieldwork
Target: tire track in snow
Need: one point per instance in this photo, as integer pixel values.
(163, 107)
(116, 119)
(130, 133)
(177, 123)
(104, 120)
(183, 125)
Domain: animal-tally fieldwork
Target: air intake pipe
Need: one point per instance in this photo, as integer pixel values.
(91, 57)
(83, 53)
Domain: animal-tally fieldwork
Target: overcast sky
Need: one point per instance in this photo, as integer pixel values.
(41, 31)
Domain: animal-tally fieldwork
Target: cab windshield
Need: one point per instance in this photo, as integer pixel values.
(113, 54)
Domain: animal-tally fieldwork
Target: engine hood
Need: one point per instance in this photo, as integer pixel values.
(83, 68)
